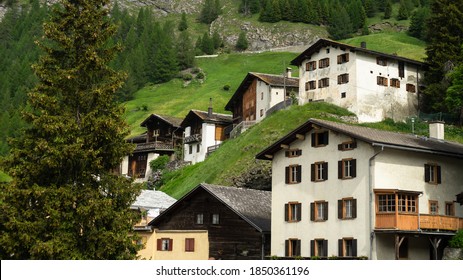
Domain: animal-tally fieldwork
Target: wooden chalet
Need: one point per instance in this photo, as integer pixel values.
(237, 220)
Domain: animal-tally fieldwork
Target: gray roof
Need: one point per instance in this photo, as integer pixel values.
(254, 206)
(373, 136)
(149, 199)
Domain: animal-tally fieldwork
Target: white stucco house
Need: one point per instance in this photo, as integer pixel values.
(372, 85)
(204, 132)
(258, 93)
(350, 191)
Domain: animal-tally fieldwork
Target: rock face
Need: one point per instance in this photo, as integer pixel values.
(453, 254)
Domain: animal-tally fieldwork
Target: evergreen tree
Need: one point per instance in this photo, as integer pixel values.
(185, 51)
(249, 7)
(183, 25)
(454, 96)
(445, 37)
(207, 44)
(65, 202)
(418, 23)
(210, 11)
(387, 9)
(357, 14)
(370, 8)
(270, 12)
(340, 25)
(217, 40)
(404, 12)
(242, 42)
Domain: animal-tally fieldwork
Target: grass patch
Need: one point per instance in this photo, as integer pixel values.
(240, 152)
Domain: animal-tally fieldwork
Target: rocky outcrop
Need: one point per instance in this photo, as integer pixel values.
(452, 254)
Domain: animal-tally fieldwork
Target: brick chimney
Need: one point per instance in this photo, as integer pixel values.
(363, 45)
(436, 130)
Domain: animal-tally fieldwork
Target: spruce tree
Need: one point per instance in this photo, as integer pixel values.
(404, 12)
(65, 200)
(445, 37)
(418, 23)
(387, 9)
(454, 95)
(183, 25)
(242, 42)
(340, 25)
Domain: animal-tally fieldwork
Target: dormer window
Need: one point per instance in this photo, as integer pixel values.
(320, 139)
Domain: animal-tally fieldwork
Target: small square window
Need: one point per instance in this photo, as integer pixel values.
(381, 61)
(311, 65)
(320, 139)
(189, 244)
(343, 79)
(382, 81)
(323, 63)
(410, 88)
(395, 83)
(433, 207)
(293, 153)
(343, 94)
(199, 219)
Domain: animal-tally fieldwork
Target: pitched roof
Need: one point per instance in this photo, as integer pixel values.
(168, 119)
(273, 80)
(322, 43)
(375, 137)
(214, 118)
(253, 206)
(150, 199)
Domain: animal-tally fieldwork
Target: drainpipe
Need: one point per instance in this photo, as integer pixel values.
(370, 183)
(263, 246)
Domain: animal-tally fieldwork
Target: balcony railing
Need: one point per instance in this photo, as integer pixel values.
(154, 146)
(193, 138)
(415, 222)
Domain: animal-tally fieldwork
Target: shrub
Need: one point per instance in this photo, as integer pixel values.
(144, 107)
(226, 87)
(200, 76)
(195, 70)
(159, 163)
(457, 240)
(187, 77)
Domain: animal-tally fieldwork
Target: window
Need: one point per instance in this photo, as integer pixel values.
(449, 208)
(347, 208)
(433, 207)
(293, 153)
(401, 69)
(198, 147)
(215, 219)
(319, 171)
(382, 81)
(311, 65)
(347, 247)
(343, 58)
(343, 79)
(347, 168)
(322, 83)
(343, 95)
(137, 167)
(432, 173)
(165, 244)
(395, 83)
(189, 244)
(261, 112)
(319, 139)
(407, 203)
(319, 248)
(323, 63)
(293, 174)
(262, 96)
(190, 151)
(319, 211)
(293, 212)
(292, 247)
(310, 85)
(199, 219)
(410, 88)
(327, 50)
(386, 203)
(348, 145)
(381, 61)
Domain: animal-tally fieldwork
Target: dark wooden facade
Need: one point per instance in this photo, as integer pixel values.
(232, 238)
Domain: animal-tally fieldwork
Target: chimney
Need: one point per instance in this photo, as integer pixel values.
(363, 45)
(436, 130)
(209, 110)
(288, 72)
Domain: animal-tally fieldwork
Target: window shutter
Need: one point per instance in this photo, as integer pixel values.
(325, 171)
(325, 137)
(192, 244)
(297, 252)
(339, 79)
(347, 57)
(340, 251)
(299, 152)
(339, 59)
(299, 173)
(325, 248)
(354, 208)
(312, 211)
(320, 83)
(312, 248)
(438, 175)
(340, 209)
(312, 172)
(354, 247)
(427, 175)
(159, 244)
(299, 210)
(313, 139)
(287, 248)
(286, 153)
(340, 169)
(325, 214)
(354, 144)
(286, 212)
(353, 168)
(171, 244)
(287, 174)
(340, 147)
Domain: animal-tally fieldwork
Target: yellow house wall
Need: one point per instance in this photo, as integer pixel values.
(201, 250)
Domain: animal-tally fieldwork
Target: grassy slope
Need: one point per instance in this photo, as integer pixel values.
(240, 152)
(175, 99)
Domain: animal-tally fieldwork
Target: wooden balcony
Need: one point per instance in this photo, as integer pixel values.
(154, 146)
(192, 138)
(414, 222)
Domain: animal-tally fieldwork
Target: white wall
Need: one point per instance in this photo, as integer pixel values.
(207, 140)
